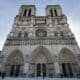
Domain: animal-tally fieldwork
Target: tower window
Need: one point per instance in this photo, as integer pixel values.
(55, 33)
(25, 34)
(19, 35)
(51, 12)
(55, 12)
(29, 14)
(61, 33)
(25, 12)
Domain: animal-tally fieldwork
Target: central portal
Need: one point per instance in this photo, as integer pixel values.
(40, 61)
(15, 69)
(41, 70)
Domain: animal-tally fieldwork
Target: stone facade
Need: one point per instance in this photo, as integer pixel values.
(40, 46)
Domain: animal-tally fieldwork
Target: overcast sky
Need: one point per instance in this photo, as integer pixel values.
(9, 9)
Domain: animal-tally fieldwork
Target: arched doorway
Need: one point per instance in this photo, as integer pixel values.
(14, 64)
(42, 63)
(41, 70)
(67, 62)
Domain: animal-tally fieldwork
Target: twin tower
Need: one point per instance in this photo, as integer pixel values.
(30, 10)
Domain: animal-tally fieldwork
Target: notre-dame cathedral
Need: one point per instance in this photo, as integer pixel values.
(40, 46)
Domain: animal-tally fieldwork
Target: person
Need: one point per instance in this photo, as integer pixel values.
(0, 74)
(3, 75)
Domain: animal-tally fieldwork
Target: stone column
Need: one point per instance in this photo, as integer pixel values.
(35, 70)
(26, 69)
(57, 69)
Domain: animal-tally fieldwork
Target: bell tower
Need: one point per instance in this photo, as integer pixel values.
(58, 21)
(27, 10)
(53, 10)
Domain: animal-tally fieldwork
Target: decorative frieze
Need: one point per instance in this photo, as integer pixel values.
(39, 41)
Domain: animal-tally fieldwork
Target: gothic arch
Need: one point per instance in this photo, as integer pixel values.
(68, 62)
(66, 55)
(43, 52)
(14, 63)
(41, 62)
(15, 58)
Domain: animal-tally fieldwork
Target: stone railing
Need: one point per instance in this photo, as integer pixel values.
(36, 41)
(40, 78)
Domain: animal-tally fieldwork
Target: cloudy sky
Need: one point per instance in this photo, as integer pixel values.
(9, 9)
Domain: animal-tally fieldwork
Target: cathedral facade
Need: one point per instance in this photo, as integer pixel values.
(40, 46)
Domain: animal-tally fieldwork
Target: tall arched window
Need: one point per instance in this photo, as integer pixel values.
(55, 12)
(29, 13)
(51, 12)
(25, 12)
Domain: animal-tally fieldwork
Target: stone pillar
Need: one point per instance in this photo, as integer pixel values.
(57, 69)
(0, 66)
(26, 69)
